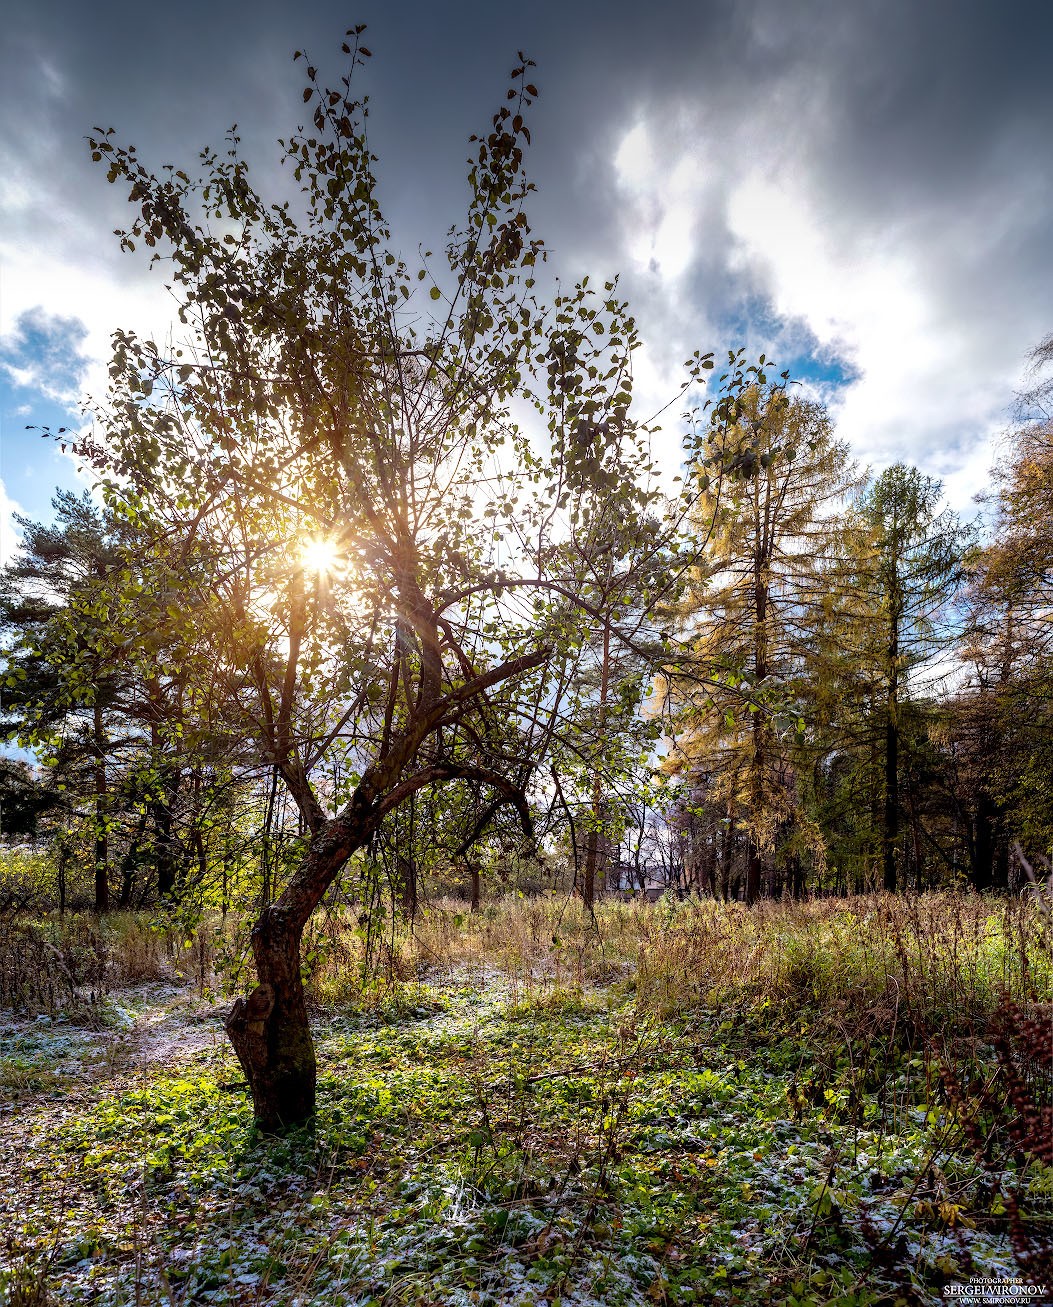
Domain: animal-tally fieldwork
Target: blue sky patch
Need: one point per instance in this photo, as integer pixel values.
(42, 371)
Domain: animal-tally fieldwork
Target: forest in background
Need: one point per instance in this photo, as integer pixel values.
(383, 594)
(852, 690)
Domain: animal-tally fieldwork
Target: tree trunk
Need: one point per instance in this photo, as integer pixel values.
(1000, 877)
(711, 865)
(63, 863)
(890, 825)
(224, 903)
(165, 852)
(406, 866)
(128, 863)
(915, 841)
(164, 843)
(725, 861)
(983, 843)
(760, 760)
(592, 845)
(102, 853)
(163, 800)
(797, 878)
(270, 1031)
(753, 872)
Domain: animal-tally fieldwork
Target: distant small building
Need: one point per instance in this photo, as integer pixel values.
(631, 882)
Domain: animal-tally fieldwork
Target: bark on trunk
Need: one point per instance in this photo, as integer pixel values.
(101, 852)
(164, 845)
(129, 862)
(890, 825)
(162, 803)
(797, 879)
(270, 1031)
(407, 873)
(753, 873)
(760, 760)
(983, 843)
(63, 863)
(592, 840)
(725, 861)
(1001, 864)
(592, 845)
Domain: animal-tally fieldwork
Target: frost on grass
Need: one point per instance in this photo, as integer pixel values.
(481, 1146)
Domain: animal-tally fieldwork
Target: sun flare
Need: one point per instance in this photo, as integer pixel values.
(319, 555)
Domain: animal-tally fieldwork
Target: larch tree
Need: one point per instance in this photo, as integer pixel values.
(1008, 645)
(750, 610)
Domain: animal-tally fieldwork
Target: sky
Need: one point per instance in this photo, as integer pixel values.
(861, 188)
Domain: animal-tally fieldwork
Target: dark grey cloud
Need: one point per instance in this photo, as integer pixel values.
(899, 136)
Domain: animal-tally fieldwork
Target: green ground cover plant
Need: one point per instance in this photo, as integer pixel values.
(677, 1103)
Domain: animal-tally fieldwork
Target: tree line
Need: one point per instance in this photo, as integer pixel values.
(380, 590)
(914, 652)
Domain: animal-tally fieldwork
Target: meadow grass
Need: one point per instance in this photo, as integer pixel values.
(916, 968)
(66, 965)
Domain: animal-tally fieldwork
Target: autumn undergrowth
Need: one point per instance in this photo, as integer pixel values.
(678, 1103)
(918, 968)
(914, 968)
(67, 965)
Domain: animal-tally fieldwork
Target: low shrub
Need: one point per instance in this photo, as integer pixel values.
(52, 964)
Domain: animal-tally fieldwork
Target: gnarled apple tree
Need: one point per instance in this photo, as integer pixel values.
(382, 564)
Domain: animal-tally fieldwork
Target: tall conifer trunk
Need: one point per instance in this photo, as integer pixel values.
(890, 825)
(984, 843)
(102, 848)
(596, 838)
(760, 752)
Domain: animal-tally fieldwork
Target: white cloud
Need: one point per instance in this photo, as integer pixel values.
(873, 175)
(931, 373)
(10, 537)
(920, 393)
(661, 226)
(47, 284)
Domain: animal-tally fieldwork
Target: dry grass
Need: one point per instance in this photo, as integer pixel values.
(939, 963)
(51, 964)
(911, 967)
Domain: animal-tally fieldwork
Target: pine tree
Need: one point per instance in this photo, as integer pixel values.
(61, 693)
(909, 570)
